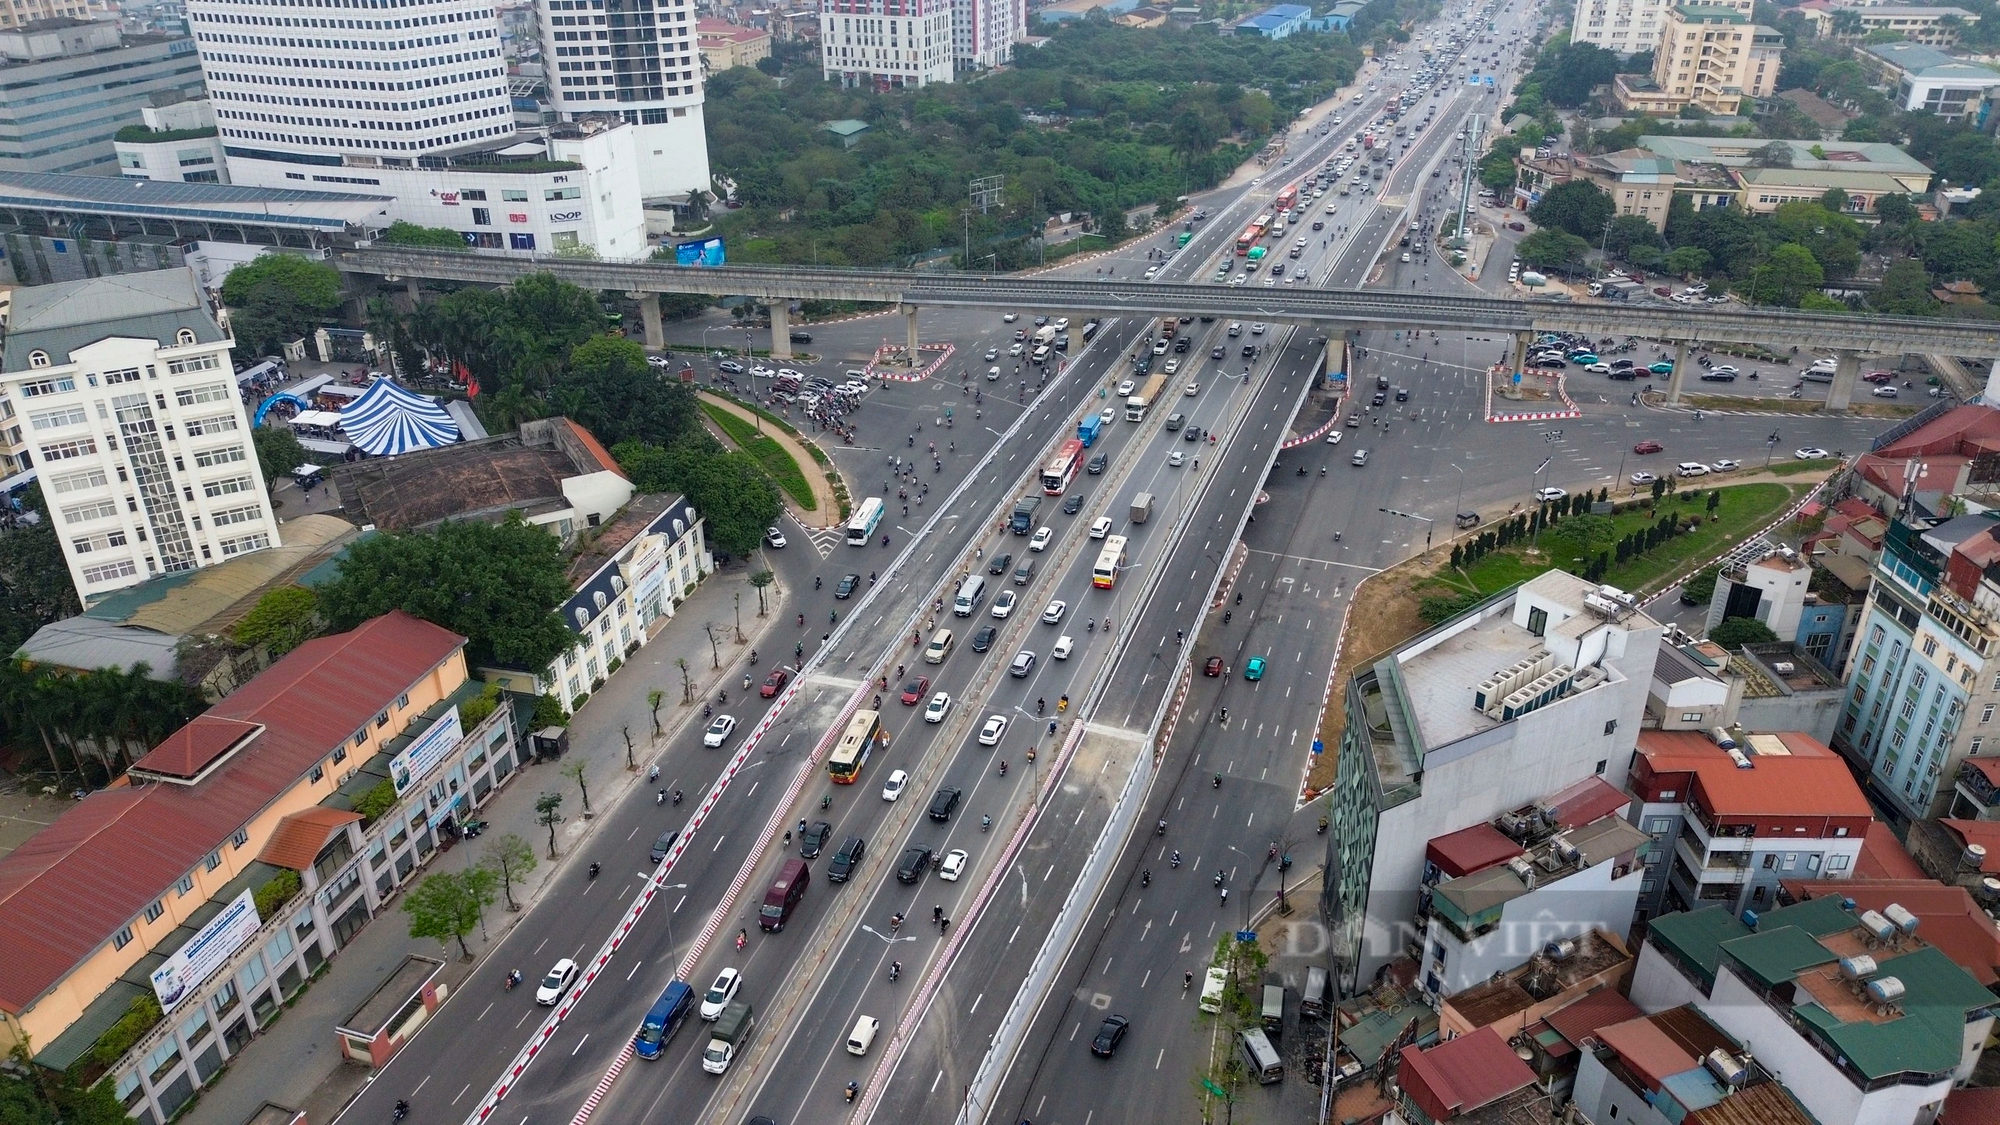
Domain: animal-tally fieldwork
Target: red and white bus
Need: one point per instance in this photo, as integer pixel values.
(1062, 468)
(1288, 199)
(1253, 233)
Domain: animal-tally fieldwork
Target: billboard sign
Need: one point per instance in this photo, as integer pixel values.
(423, 755)
(700, 252)
(187, 967)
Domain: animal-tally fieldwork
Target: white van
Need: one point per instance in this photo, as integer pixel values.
(863, 1035)
(1211, 990)
(1259, 1056)
(971, 592)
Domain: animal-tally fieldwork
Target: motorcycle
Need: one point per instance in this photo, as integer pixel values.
(1160, 829)
(594, 869)
(1217, 783)
(853, 1090)
(742, 939)
(1175, 860)
(660, 798)
(985, 822)
(1145, 878)
(402, 1110)
(1003, 769)
(1218, 878)
(895, 969)
(513, 978)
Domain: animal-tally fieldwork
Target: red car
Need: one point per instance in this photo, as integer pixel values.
(913, 692)
(1213, 667)
(774, 683)
(1878, 377)
(1648, 447)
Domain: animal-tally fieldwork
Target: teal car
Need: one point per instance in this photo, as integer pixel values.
(1254, 669)
(1585, 358)
(1661, 368)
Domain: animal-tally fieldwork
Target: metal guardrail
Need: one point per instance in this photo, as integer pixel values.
(1342, 308)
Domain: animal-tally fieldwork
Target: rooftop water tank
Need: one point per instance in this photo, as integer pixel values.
(1904, 920)
(1726, 1068)
(1858, 967)
(1885, 990)
(1879, 927)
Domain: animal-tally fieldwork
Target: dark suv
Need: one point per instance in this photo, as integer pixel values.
(983, 639)
(846, 860)
(1000, 564)
(813, 840)
(847, 584)
(944, 803)
(916, 859)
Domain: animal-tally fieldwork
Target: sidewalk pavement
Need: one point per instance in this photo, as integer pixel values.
(828, 514)
(295, 1061)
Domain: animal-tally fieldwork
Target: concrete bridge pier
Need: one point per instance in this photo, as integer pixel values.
(1846, 371)
(649, 313)
(1678, 378)
(781, 330)
(910, 335)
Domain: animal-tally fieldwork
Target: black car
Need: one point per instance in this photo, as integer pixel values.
(1380, 398)
(813, 840)
(1000, 564)
(1144, 364)
(983, 639)
(1381, 382)
(1183, 344)
(944, 803)
(664, 844)
(1249, 351)
(1098, 464)
(847, 584)
(802, 337)
(1217, 352)
(1402, 394)
(1073, 503)
(1109, 1036)
(916, 860)
(1718, 377)
(1193, 433)
(846, 860)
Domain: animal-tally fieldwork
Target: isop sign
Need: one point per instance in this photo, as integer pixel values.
(565, 216)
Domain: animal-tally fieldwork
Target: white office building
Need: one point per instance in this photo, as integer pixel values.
(641, 60)
(886, 43)
(1624, 26)
(983, 32)
(136, 427)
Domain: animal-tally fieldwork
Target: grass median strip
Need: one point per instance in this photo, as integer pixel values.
(783, 467)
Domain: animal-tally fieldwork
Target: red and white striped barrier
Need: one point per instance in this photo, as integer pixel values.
(1571, 410)
(881, 368)
(1339, 404)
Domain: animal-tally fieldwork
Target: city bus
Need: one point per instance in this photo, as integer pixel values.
(1253, 233)
(1105, 574)
(1287, 199)
(864, 734)
(1062, 467)
(861, 528)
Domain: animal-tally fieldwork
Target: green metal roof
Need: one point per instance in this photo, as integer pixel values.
(1817, 916)
(1928, 1038)
(1774, 956)
(1696, 936)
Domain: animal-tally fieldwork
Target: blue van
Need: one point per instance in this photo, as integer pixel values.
(668, 1013)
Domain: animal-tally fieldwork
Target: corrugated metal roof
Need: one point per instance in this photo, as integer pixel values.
(1648, 1052)
(1580, 1021)
(1472, 849)
(1463, 1074)
(1695, 938)
(73, 885)
(1589, 800)
(1774, 956)
(125, 195)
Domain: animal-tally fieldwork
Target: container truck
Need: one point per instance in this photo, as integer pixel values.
(727, 1037)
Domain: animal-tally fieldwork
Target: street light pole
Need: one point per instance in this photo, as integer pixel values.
(1428, 522)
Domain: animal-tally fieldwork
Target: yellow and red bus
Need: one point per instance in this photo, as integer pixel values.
(863, 735)
(1252, 233)
(1287, 199)
(1109, 562)
(1062, 467)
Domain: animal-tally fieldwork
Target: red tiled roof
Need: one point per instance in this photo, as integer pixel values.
(1649, 1053)
(1589, 800)
(77, 882)
(1971, 1106)
(1967, 430)
(1582, 1019)
(1809, 781)
(1883, 857)
(1949, 917)
(299, 837)
(605, 460)
(1985, 833)
(1463, 1074)
(1989, 766)
(1471, 849)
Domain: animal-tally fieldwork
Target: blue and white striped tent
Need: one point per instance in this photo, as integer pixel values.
(388, 419)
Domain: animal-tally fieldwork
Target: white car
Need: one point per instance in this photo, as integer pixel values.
(557, 982)
(1192, 390)
(1547, 494)
(1691, 469)
(1150, 271)
(1334, 438)
(1107, 416)
(1643, 478)
(893, 788)
(1063, 647)
(1010, 318)
(774, 537)
(953, 866)
(1043, 537)
(1176, 459)
(1126, 388)
(718, 731)
(992, 354)
(1810, 453)
(1053, 615)
(1061, 323)
(1100, 527)
(1598, 368)
(1018, 350)
(994, 729)
(1257, 329)
(1884, 392)
(1003, 604)
(1724, 466)
(938, 708)
(762, 372)
(1160, 347)
(719, 994)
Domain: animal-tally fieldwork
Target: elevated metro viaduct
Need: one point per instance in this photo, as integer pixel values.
(1321, 309)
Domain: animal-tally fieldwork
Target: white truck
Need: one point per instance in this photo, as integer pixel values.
(731, 1030)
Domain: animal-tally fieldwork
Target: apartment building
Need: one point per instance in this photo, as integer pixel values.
(639, 60)
(726, 45)
(1527, 692)
(1710, 56)
(1677, 1068)
(241, 854)
(983, 32)
(67, 86)
(1849, 25)
(1529, 883)
(1624, 26)
(1865, 1022)
(886, 43)
(138, 429)
(1729, 822)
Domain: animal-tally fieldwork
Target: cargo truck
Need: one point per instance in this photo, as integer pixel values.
(727, 1037)
(1088, 429)
(1142, 507)
(1168, 326)
(1023, 519)
(1137, 405)
(1046, 334)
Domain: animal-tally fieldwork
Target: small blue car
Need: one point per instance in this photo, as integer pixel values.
(1254, 669)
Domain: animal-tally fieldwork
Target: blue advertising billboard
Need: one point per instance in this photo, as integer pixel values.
(704, 252)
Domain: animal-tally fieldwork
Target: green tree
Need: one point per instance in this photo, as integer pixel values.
(1735, 632)
(510, 858)
(576, 770)
(1789, 273)
(1896, 209)
(315, 286)
(449, 904)
(1629, 232)
(611, 391)
(548, 814)
(498, 585)
(34, 577)
(1553, 250)
(278, 451)
(1496, 168)
(280, 621)
(1905, 290)
(1701, 587)
(1579, 207)
(1776, 154)
(402, 233)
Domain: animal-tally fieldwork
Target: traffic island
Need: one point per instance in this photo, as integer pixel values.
(1534, 395)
